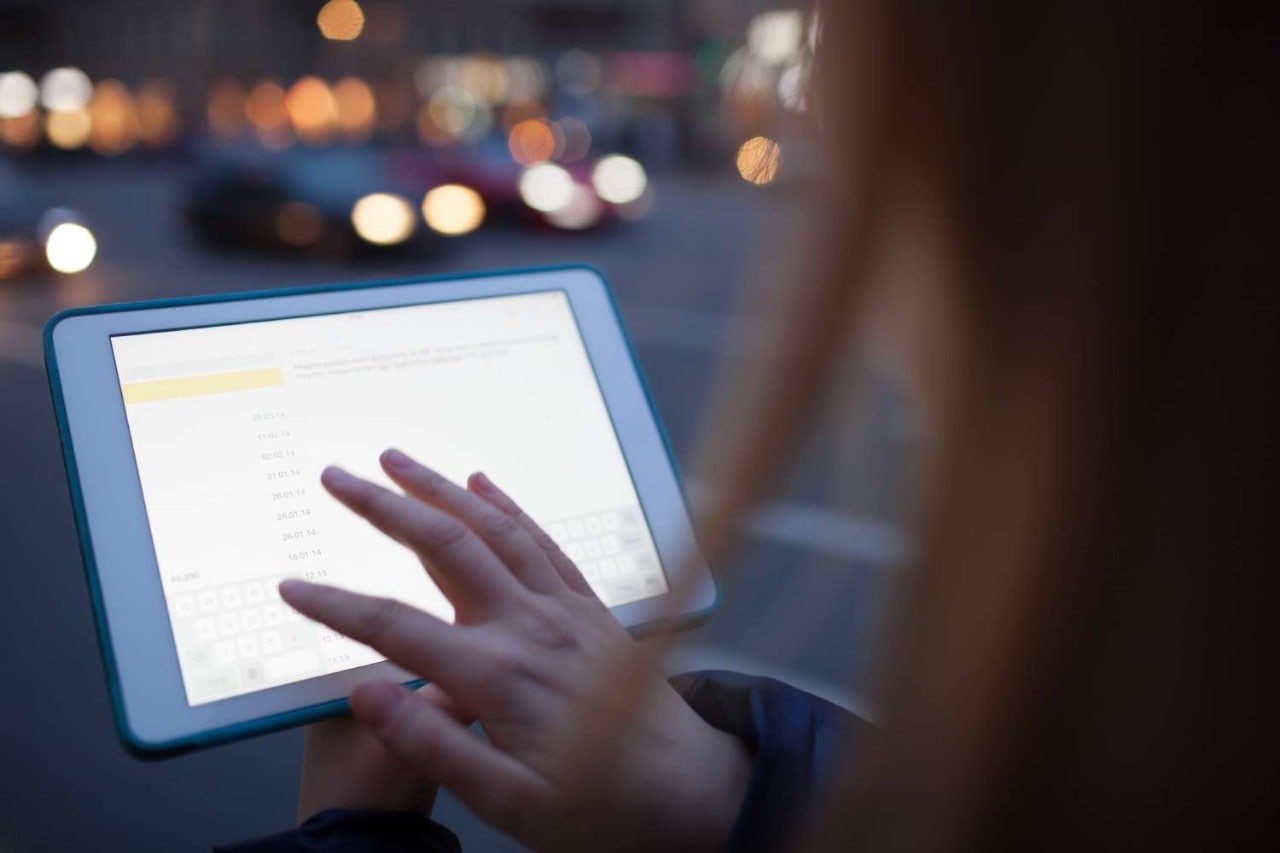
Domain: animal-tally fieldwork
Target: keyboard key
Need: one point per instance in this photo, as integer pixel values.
(251, 620)
(291, 664)
(229, 624)
(185, 606)
(594, 526)
(271, 643)
(611, 545)
(610, 522)
(231, 597)
(248, 647)
(208, 602)
(253, 593)
(273, 614)
(558, 532)
(224, 652)
(594, 551)
(576, 530)
(206, 629)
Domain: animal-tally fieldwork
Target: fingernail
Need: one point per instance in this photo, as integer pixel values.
(396, 459)
(376, 702)
(335, 476)
(292, 587)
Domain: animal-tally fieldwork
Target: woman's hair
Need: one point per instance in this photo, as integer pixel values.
(1078, 656)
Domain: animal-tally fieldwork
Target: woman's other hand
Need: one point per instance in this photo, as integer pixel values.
(587, 745)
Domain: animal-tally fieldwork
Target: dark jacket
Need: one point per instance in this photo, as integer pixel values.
(796, 741)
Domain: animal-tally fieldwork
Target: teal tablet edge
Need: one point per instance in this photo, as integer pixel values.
(154, 750)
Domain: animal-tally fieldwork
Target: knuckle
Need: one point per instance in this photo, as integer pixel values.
(441, 534)
(500, 526)
(378, 620)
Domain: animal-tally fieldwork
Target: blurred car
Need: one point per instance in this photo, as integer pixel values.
(36, 238)
(335, 202)
(580, 196)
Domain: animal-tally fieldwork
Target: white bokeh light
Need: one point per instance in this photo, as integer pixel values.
(65, 90)
(70, 247)
(18, 94)
(619, 180)
(547, 187)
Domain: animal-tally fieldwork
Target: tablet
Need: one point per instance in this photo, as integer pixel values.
(195, 430)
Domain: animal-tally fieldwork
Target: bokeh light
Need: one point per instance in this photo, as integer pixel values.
(619, 180)
(114, 119)
(65, 90)
(355, 108)
(70, 247)
(21, 132)
(157, 118)
(776, 37)
(526, 79)
(485, 77)
(340, 20)
(581, 211)
(225, 112)
(383, 219)
(69, 129)
(579, 73)
(758, 160)
(453, 114)
(298, 224)
(312, 109)
(531, 142)
(577, 139)
(453, 210)
(18, 94)
(265, 109)
(547, 187)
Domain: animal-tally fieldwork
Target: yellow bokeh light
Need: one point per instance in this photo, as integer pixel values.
(758, 160)
(355, 107)
(68, 130)
(340, 20)
(531, 142)
(383, 219)
(453, 209)
(70, 247)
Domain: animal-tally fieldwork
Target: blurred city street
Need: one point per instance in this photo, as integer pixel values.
(803, 598)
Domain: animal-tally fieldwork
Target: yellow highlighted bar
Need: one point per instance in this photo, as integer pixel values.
(198, 386)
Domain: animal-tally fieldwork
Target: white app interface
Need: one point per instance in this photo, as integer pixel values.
(231, 426)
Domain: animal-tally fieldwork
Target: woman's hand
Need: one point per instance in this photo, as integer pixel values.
(587, 743)
(345, 766)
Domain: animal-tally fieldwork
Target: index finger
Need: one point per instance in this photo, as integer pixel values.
(406, 636)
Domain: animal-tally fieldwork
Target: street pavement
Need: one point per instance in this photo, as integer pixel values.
(804, 599)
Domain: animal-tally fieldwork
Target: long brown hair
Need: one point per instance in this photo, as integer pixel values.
(1079, 655)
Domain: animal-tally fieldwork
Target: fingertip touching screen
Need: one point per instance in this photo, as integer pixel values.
(231, 426)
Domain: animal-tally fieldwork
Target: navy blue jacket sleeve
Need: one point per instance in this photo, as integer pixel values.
(798, 744)
(796, 740)
(356, 831)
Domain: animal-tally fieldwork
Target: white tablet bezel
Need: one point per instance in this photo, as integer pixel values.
(151, 708)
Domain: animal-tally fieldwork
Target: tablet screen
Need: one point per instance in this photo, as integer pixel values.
(231, 426)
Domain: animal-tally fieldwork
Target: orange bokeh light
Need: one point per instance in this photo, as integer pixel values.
(355, 108)
(531, 142)
(340, 20)
(311, 107)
